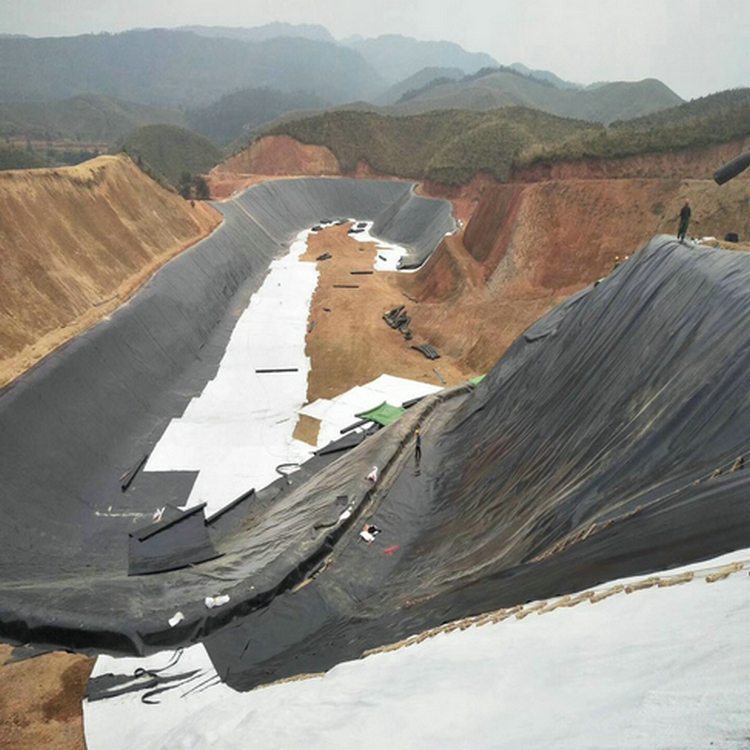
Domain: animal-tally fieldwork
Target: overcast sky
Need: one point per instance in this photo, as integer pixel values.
(695, 46)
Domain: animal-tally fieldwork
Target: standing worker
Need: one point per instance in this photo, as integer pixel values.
(418, 448)
(684, 220)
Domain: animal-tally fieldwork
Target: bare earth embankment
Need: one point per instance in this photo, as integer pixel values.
(75, 243)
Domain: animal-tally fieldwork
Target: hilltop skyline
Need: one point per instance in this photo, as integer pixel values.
(696, 47)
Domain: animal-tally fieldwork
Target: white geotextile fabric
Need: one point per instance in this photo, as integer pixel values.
(337, 413)
(657, 668)
(241, 426)
(388, 255)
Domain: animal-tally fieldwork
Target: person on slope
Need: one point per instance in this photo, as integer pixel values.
(684, 221)
(418, 447)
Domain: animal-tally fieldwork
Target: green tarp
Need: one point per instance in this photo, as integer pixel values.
(383, 414)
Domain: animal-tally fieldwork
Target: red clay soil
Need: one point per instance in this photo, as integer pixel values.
(40, 701)
(350, 343)
(529, 246)
(273, 156)
(75, 243)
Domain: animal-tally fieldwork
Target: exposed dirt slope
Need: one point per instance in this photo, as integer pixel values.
(529, 246)
(687, 164)
(281, 155)
(272, 156)
(76, 242)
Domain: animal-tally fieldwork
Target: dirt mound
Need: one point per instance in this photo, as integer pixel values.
(274, 155)
(75, 243)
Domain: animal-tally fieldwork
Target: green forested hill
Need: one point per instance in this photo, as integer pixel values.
(233, 114)
(507, 87)
(448, 147)
(168, 69)
(721, 118)
(82, 118)
(721, 103)
(170, 151)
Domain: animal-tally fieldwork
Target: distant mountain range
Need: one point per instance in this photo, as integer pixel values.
(397, 57)
(417, 82)
(226, 82)
(314, 32)
(178, 68)
(506, 87)
(545, 75)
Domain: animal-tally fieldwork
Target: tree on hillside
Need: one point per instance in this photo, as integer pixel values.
(193, 186)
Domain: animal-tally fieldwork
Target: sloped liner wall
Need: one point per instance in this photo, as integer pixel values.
(80, 420)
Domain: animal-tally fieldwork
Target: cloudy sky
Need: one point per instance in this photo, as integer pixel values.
(695, 46)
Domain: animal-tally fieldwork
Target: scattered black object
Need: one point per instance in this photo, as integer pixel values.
(231, 506)
(361, 273)
(382, 257)
(356, 231)
(179, 539)
(127, 478)
(346, 286)
(411, 402)
(362, 225)
(324, 256)
(111, 685)
(345, 443)
(397, 318)
(429, 351)
(326, 309)
(316, 228)
(28, 651)
(732, 237)
(360, 423)
(732, 169)
(265, 371)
